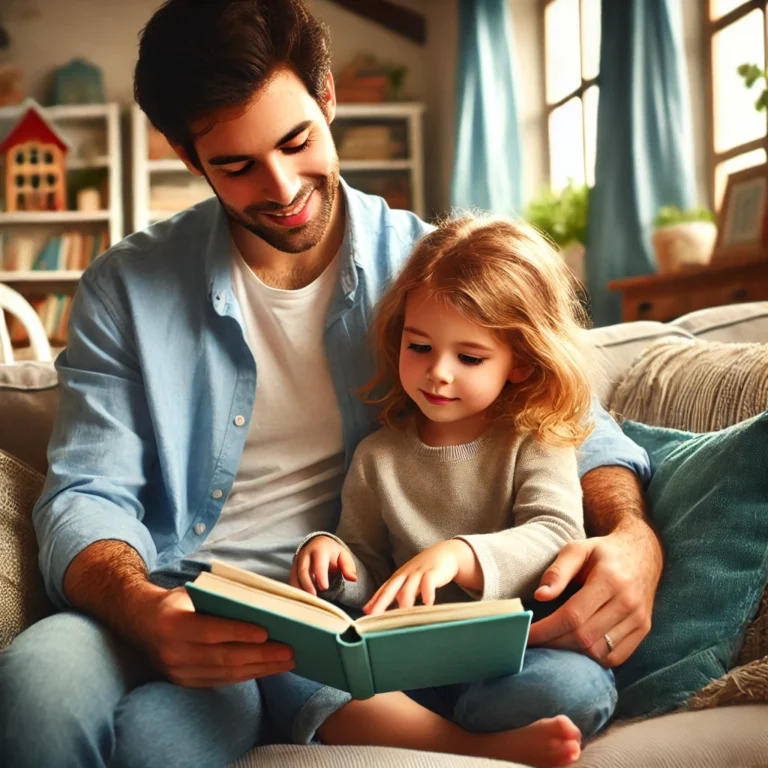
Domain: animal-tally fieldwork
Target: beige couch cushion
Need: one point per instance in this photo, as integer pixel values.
(736, 322)
(288, 756)
(28, 398)
(733, 737)
(22, 595)
(693, 385)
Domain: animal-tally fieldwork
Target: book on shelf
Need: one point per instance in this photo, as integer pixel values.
(53, 311)
(401, 649)
(69, 251)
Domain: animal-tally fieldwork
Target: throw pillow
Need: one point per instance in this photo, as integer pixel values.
(699, 386)
(29, 396)
(707, 498)
(23, 599)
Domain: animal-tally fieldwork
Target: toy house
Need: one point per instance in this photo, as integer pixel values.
(35, 172)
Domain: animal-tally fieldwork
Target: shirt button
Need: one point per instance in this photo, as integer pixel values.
(239, 421)
(217, 494)
(200, 529)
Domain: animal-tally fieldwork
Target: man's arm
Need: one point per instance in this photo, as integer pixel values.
(95, 550)
(619, 567)
(108, 580)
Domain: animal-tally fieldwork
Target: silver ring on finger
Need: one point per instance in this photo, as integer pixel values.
(608, 642)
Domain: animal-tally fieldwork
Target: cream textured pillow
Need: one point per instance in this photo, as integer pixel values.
(693, 385)
(23, 600)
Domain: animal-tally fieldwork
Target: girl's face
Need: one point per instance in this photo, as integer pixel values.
(452, 368)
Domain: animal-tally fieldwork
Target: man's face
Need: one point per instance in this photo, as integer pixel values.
(274, 166)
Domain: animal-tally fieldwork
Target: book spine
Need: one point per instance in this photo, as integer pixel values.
(357, 666)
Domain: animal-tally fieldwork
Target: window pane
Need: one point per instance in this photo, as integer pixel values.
(718, 8)
(566, 144)
(561, 31)
(591, 97)
(738, 163)
(736, 119)
(590, 38)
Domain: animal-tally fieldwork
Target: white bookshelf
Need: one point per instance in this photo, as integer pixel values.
(406, 119)
(99, 121)
(150, 174)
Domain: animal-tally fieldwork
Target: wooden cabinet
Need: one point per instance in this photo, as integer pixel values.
(665, 297)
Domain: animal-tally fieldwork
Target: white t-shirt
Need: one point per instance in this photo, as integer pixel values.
(289, 480)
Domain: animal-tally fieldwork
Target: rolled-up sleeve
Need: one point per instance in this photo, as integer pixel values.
(607, 446)
(102, 448)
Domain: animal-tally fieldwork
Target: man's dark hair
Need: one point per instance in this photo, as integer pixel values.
(199, 56)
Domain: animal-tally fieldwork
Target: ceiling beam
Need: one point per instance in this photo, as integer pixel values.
(395, 18)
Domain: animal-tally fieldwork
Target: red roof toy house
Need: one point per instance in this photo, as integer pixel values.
(35, 175)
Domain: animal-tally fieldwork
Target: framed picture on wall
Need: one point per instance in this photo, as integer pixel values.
(742, 232)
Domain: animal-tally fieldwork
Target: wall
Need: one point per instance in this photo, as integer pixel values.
(47, 33)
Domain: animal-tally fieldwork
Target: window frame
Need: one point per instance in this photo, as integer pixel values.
(584, 86)
(711, 28)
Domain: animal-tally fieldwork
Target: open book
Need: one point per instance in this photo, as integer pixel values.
(402, 649)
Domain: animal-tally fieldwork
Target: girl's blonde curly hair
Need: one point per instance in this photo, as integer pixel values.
(504, 276)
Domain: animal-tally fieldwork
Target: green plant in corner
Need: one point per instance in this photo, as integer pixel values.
(561, 216)
(669, 215)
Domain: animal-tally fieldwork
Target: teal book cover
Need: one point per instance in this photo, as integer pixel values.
(399, 650)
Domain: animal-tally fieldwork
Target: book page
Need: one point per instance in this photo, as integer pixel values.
(269, 601)
(265, 584)
(434, 614)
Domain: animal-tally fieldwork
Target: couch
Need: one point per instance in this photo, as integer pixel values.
(720, 737)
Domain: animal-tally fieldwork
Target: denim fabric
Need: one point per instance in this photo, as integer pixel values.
(72, 695)
(145, 447)
(708, 501)
(552, 682)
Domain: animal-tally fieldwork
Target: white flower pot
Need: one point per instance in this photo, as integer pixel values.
(684, 245)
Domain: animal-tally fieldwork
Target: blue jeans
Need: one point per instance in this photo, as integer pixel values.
(552, 682)
(71, 694)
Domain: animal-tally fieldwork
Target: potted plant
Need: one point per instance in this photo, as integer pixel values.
(683, 238)
(562, 217)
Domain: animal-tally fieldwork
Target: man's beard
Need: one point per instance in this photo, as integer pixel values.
(296, 239)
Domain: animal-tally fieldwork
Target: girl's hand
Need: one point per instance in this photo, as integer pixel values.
(422, 575)
(319, 559)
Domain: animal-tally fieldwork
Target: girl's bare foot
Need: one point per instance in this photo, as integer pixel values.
(546, 743)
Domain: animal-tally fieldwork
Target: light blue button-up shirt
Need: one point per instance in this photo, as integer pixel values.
(146, 447)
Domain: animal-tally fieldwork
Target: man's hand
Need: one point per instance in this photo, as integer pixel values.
(199, 651)
(318, 560)
(108, 580)
(620, 573)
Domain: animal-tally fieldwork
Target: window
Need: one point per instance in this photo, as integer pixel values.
(572, 64)
(736, 32)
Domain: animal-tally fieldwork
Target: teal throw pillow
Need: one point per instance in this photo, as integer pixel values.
(708, 498)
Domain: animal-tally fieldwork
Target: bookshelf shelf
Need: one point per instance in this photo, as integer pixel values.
(39, 275)
(164, 166)
(53, 217)
(376, 165)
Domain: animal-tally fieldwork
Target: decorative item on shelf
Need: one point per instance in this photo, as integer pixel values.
(369, 142)
(365, 79)
(683, 238)
(562, 217)
(742, 234)
(35, 171)
(89, 199)
(12, 89)
(78, 82)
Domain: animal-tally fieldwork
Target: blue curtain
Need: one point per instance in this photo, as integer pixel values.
(644, 144)
(487, 166)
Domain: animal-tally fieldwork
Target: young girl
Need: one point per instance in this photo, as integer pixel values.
(470, 489)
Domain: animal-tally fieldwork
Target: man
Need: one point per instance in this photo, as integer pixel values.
(207, 410)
